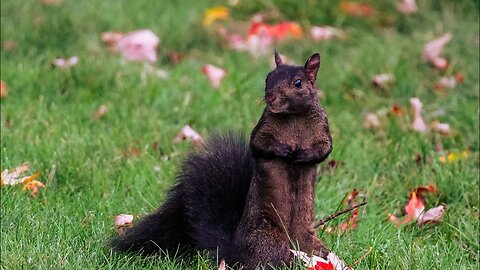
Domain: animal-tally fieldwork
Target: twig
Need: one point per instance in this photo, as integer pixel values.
(332, 216)
(361, 258)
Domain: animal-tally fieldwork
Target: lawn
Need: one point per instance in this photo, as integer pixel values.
(125, 161)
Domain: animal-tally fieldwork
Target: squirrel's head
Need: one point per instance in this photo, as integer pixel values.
(291, 89)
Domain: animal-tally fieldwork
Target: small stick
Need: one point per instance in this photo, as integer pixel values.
(332, 216)
(361, 258)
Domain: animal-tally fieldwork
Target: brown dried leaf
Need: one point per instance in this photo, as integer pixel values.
(100, 112)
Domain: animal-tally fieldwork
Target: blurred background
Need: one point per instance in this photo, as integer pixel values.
(105, 98)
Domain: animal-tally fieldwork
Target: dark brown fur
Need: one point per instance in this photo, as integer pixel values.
(243, 203)
(287, 143)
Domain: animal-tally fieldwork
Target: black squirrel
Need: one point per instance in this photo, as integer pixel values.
(249, 204)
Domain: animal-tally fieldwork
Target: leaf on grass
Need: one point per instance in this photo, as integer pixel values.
(111, 38)
(132, 150)
(9, 45)
(175, 57)
(442, 128)
(397, 110)
(122, 222)
(3, 89)
(446, 83)
(222, 265)
(278, 31)
(214, 14)
(12, 177)
(32, 185)
(16, 177)
(433, 215)
(65, 63)
(407, 7)
(322, 33)
(214, 74)
(140, 45)
(383, 80)
(415, 208)
(332, 262)
(431, 51)
(355, 9)
(371, 121)
(188, 133)
(352, 220)
(418, 122)
(100, 112)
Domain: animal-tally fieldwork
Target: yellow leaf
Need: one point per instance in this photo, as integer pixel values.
(215, 13)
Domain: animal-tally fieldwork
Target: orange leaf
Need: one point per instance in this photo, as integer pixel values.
(3, 89)
(356, 9)
(31, 184)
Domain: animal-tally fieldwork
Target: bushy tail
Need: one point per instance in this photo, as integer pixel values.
(205, 207)
(165, 230)
(217, 181)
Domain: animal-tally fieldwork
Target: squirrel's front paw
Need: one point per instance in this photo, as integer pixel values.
(303, 155)
(284, 150)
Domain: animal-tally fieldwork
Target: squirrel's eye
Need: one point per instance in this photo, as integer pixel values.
(298, 83)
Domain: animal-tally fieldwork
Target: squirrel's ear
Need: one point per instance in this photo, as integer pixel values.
(278, 59)
(311, 67)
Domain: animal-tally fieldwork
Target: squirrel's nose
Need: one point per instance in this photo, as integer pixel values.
(270, 98)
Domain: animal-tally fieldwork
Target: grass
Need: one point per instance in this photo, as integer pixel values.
(46, 119)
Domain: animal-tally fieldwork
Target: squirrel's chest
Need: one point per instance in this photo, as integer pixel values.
(298, 132)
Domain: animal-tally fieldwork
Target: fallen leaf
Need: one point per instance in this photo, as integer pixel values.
(418, 122)
(407, 7)
(214, 74)
(222, 265)
(433, 215)
(111, 38)
(431, 51)
(3, 89)
(446, 83)
(352, 221)
(415, 208)
(9, 45)
(356, 9)
(278, 31)
(139, 45)
(65, 63)
(122, 222)
(442, 128)
(33, 185)
(100, 112)
(189, 133)
(132, 150)
(397, 110)
(15, 177)
(332, 262)
(371, 121)
(12, 177)
(459, 77)
(214, 14)
(382, 80)
(322, 33)
(175, 57)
